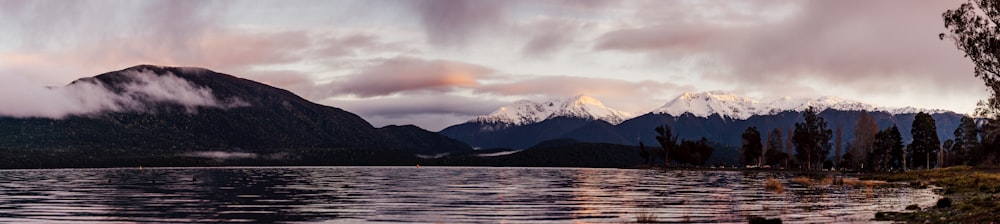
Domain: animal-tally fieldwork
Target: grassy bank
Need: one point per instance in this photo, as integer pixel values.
(969, 196)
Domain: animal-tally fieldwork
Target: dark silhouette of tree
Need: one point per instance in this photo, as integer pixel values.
(989, 144)
(847, 160)
(667, 140)
(788, 147)
(887, 153)
(951, 157)
(704, 150)
(775, 154)
(694, 152)
(752, 146)
(683, 152)
(864, 139)
(966, 148)
(974, 29)
(879, 156)
(839, 140)
(925, 146)
(643, 153)
(812, 139)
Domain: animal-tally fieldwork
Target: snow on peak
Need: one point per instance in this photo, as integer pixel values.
(708, 103)
(524, 112)
(740, 107)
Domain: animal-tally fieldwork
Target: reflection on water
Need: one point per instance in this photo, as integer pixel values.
(407, 194)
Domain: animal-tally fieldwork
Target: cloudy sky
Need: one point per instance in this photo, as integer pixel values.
(439, 62)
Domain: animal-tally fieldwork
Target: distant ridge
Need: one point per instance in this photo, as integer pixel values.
(718, 116)
(729, 105)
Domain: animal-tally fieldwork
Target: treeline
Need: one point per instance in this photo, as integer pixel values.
(872, 149)
(682, 152)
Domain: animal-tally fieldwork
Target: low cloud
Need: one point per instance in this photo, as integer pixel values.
(220, 155)
(24, 98)
(403, 74)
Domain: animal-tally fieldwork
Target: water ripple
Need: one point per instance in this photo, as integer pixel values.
(406, 194)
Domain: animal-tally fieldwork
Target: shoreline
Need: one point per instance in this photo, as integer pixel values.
(968, 195)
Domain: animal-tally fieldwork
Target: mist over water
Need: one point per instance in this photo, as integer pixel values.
(408, 194)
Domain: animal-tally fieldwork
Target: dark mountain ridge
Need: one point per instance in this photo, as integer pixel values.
(724, 130)
(248, 116)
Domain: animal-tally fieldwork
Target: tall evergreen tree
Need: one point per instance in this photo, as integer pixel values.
(966, 148)
(812, 139)
(878, 157)
(774, 154)
(925, 146)
(896, 154)
(752, 146)
(887, 151)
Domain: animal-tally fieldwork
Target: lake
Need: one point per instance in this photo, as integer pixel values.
(427, 194)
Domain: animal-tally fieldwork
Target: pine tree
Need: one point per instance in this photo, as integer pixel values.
(966, 147)
(812, 139)
(925, 146)
(774, 154)
(897, 157)
(752, 146)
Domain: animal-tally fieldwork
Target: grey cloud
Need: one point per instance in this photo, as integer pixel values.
(550, 35)
(862, 44)
(455, 22)
(357, 44)
(95, 36)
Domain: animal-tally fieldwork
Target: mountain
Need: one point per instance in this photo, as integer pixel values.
(731, 106)
(171, 110)
(526, 112)
(719, 116)
(525, 123)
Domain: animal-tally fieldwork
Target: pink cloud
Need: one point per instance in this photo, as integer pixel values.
(403, 74)
(571, 85)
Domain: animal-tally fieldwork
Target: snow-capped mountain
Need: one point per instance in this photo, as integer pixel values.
(525, 112)
(733, 106)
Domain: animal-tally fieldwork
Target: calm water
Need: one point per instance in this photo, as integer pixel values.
(408, 194)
